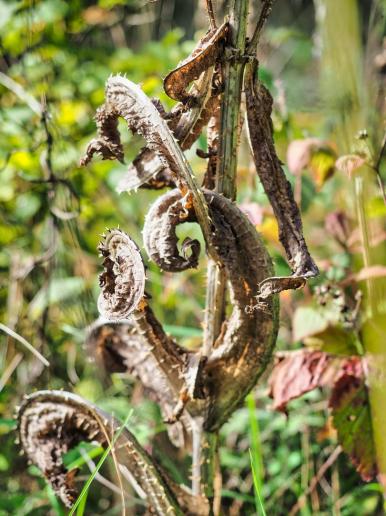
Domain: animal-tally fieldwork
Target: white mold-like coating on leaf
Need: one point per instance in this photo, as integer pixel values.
(123, 279)
(53, 422)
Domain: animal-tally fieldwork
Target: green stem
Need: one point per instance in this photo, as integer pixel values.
(233, 71)
(374, 329)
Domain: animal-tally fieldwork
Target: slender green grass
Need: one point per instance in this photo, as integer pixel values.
(80, 461)
(82, 505)
(256, 484)
(255, 453)
(80, 502)
(254, 437)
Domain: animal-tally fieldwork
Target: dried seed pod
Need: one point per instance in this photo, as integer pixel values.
(205, 54)
(276, 186)
(53, 422)
(123, 279)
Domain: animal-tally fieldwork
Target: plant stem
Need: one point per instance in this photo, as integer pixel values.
(374, 327)
(233, 70)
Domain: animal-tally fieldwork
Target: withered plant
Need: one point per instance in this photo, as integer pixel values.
(197, 390)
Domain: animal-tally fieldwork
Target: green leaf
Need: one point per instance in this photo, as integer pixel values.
(182, 331)
(258, 499)
(307, 322)
(74, 459)
(321, 329)
(335, 340)
(85, 489)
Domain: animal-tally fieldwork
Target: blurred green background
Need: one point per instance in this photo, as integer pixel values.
(322, 61)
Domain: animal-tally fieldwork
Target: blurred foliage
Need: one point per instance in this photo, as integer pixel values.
(53, 213)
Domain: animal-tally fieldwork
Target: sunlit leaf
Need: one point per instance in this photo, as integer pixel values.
(299, 372)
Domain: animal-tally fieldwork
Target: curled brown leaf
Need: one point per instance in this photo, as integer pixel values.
(276, 186)
(123, 279)
(119, 347)
(53, 422)
(204, 55)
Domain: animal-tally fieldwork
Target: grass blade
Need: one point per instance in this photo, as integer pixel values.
(25, 343)
(258, 499)
(85, 489)
(254, 436)
(255, 454)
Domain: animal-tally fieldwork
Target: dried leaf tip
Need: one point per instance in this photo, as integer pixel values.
(123, 280)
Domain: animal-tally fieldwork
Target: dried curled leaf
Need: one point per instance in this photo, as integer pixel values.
(205, 54)
(123, 280)
(159, 234)
(53, 422)
(352, 419)
(125, 99)
(108, 144)
(147, 169)
(246, 342)
(118, 347)
(185, 122)
(276, 186)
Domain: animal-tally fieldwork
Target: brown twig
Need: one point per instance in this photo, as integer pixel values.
(264, 14)
(315, 481)
(212, 18)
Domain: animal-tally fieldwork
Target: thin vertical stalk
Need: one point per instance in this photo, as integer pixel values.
(204, 465)
(374, 329)
(233, 71)
(255, 440)
(339, 27)
(227, 164)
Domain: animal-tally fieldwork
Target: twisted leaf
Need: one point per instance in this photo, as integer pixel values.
(126, 99)
(53, 422)
(276, 186)
(204, 55)
(147, 169)
(118, 347)
(246, 342)
(123, 279)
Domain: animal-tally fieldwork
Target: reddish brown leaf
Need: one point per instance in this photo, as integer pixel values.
(337, 224)
(299, 372)
(352, 419)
